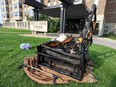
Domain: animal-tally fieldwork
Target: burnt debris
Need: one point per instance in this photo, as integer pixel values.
(65, 57)
(68, 55)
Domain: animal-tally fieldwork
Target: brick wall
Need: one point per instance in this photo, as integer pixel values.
(110, 11)
(101, 7)
(89, 3)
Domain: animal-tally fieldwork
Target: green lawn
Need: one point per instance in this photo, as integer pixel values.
(110, 36)
(13, 30)
(11, 56)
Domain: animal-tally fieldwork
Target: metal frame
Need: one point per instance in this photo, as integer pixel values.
(63, 12)
(36, 14)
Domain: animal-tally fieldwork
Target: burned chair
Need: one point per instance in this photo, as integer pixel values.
(68, 56)
(57, 56)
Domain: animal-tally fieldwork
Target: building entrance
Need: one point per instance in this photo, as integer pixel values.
(75, 26)
(95, 32)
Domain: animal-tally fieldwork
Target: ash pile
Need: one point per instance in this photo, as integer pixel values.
(66, 55)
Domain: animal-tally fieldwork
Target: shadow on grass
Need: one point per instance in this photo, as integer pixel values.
(99, 57)
(113, 82)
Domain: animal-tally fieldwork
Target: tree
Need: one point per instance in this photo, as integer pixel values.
(53, 23)
(29, 18)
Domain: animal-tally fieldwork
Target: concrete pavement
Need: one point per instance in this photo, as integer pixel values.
(104, 41)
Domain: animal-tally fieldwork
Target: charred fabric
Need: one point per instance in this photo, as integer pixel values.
(66, 54)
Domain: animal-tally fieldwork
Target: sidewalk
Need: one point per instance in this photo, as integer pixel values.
(104, 41)
(97, 40)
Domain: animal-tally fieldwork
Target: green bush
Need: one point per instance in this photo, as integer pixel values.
(53, 23)
(112, 34)
(105, 35)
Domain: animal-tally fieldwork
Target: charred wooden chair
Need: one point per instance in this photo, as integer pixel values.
(70, 56)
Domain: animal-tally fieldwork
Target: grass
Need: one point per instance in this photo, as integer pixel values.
(112, 36)
(11, 56)
(13, 30)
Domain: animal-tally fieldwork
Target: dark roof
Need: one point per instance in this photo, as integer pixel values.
(34, 3)
(74, 11)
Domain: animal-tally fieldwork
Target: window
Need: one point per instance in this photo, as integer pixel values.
(20, 5)
(7, 10)
(48, 0)
(20, 14)
(15, 5)
(4, 16)
(15, 14)
(6, 1)
(25, 5)
(7, 15)
(106, 29)
(3, 9)
(3, 3)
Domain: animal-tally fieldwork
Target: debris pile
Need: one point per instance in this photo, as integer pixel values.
(65, 55)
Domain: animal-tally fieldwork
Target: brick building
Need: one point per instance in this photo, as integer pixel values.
(14, 10)
(106, 14)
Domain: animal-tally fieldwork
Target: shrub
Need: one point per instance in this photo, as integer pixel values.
(53, 23)
(112, 34)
